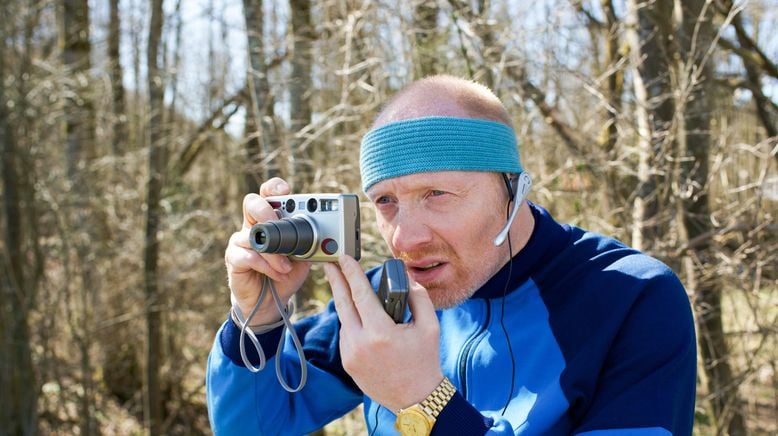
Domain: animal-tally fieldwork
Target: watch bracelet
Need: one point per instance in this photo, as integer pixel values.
(437, 400)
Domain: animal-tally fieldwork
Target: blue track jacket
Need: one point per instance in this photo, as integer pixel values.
(598, 339)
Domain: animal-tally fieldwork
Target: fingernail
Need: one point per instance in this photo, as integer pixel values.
(287, 265)
(280, 187)
(327, 267)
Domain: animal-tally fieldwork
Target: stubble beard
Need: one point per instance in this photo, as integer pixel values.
(462, 286)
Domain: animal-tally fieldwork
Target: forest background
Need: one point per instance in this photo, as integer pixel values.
(130, 131)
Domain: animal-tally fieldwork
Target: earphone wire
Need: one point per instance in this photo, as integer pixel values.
(504, 293)
(375, 427)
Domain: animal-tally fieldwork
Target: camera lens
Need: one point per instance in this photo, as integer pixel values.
(290, 205)
(312, 205)
(288, 236)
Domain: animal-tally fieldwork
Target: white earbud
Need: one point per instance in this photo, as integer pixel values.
(522, 189)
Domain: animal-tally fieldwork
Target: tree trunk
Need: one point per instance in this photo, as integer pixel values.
(79, 116)
(116, 75)
(614, 197)
(172, 109)
(261, 100)
(652, 24)
(300, 90)
(119, 352)
(136, 125)
(153, 404)
(80, 154)
(252, 176)
(643, 121)
(695, 38)
(18, 283)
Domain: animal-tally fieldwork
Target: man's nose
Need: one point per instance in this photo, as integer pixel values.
(411, 231)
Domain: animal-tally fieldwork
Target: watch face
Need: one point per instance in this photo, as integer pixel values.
(412, 423)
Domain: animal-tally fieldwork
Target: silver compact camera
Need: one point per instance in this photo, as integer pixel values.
(312, 227)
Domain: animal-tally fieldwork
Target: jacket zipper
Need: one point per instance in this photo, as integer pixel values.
(464, 356)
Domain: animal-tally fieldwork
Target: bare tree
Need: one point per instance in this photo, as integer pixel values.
(81, 152)
(300, 91)
(695, 37)
(79, 115)
(610, 70)
(173, 66)
(119, 348)
(20, 277)
(259, 120)
(116, 73)
(614, 73)
(153, 405)
(652, 51)
(137, 121)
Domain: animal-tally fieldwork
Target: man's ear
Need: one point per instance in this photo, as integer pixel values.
(521, 190)
(511, 181)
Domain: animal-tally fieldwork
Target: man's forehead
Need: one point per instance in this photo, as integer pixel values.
(421, 106)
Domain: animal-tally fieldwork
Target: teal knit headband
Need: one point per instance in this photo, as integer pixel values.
(437, 144)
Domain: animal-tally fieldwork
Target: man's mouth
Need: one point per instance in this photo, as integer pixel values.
(425, 272)
(427, 267)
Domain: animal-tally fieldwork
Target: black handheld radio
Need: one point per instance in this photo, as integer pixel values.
(393, 289)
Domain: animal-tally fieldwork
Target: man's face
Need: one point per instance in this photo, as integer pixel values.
(442, 225)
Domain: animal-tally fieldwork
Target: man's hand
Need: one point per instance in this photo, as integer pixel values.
(246, 268)
(397, 365)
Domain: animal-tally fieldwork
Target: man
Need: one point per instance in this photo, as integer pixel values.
(555, 331)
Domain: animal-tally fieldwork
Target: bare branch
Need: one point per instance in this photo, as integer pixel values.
(187, 155)
(592, 20)
(707, 236)
(748, 50)
(755, 63)
(751, 57)
(550, 114)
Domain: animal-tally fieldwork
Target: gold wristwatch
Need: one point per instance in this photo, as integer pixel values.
(417, 420)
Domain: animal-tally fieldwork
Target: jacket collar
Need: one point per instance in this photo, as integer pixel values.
(547, 239)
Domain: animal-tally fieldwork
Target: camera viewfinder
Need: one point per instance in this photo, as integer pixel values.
(328, 205)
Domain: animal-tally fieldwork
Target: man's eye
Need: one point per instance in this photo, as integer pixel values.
(436, 193)
(383, 200)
